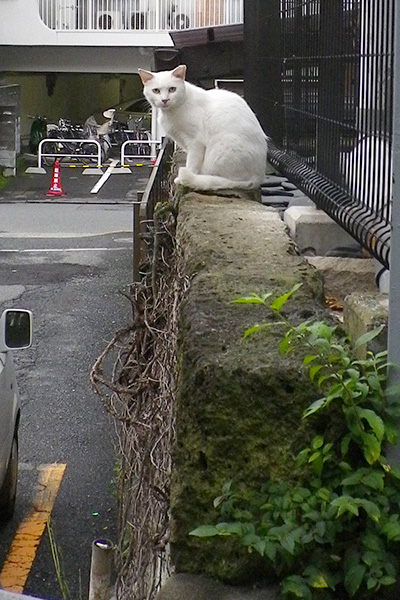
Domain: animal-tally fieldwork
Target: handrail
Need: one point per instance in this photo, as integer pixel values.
(157, 186)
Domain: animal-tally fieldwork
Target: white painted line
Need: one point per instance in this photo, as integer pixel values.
(105, 176)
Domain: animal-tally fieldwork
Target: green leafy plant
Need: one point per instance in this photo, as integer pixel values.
(333, 530)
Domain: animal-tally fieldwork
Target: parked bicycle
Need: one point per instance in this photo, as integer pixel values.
(136, 131)
(93, 131)
(41, 129)
(64, 140)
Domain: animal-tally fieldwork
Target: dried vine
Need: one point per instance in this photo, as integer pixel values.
(135, 378)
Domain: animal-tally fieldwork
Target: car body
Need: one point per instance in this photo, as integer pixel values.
(15, 333)
(135, 114)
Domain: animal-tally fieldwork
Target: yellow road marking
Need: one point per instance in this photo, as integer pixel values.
(21, 554)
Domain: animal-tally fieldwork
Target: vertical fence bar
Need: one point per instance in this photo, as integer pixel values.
(136, 237)
(90, 15)
(394, 294)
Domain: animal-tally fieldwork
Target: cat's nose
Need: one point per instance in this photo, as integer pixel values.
(165, 100)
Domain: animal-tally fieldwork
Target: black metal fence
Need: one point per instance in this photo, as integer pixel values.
(157, 190)
(319, 76)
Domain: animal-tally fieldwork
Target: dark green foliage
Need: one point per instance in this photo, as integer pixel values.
(333, 529)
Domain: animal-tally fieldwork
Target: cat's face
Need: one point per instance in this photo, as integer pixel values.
(164, 89)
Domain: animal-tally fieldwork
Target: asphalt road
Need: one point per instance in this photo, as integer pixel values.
(67, 261)
(77, 183)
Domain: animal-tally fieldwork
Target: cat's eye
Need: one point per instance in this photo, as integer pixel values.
(172, 89)
(156, 91)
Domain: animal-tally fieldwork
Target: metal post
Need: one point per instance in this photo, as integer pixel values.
(330, 106)
(136, 237)
(100, 570)
(90, 24)
(157, 15)
(262, 54)
(394, 293)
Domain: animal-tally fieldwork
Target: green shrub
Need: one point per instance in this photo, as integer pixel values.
(333, 529)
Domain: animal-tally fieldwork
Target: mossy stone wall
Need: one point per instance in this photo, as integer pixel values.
(239, 403)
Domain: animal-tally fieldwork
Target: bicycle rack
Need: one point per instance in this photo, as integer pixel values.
(60, 154)
(154, 144)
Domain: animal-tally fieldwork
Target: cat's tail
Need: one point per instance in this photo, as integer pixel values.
(213, 182)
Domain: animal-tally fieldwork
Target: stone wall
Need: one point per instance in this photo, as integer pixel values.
(239, 403)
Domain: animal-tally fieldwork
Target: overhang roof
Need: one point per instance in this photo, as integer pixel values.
(207, 35)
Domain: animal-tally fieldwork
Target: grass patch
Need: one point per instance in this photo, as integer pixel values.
(21, 165)
(3, 181)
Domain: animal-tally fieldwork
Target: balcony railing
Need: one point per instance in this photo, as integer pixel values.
(138, 15)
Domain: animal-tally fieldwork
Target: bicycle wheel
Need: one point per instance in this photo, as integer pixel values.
(146, 137)
(66, 151)
(49, 148)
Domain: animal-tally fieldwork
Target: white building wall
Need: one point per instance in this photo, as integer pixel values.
(21, 25)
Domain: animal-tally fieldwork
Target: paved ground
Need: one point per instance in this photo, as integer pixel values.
(68, 259)
(74, 287)
(76, 183)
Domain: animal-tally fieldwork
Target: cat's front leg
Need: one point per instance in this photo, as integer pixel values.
(194, 161)
(195, 157)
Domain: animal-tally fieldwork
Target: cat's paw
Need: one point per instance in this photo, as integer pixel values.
(182, 176)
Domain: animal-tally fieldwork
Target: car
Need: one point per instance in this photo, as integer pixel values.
(135, 113)
(15, 334)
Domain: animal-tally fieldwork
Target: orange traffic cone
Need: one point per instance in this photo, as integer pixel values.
(55, 187)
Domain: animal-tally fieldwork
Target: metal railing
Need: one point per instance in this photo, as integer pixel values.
(157, 190)
(328, 106)
(138, 15)
(57, 150)
(142, 149)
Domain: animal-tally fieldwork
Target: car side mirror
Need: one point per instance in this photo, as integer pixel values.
(15, 329)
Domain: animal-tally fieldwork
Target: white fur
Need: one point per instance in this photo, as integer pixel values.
(225, 145)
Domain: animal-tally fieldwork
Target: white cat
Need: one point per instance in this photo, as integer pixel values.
(225, 145)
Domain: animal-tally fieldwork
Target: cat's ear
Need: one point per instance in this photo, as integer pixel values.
(179, 72)
(145, 76)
